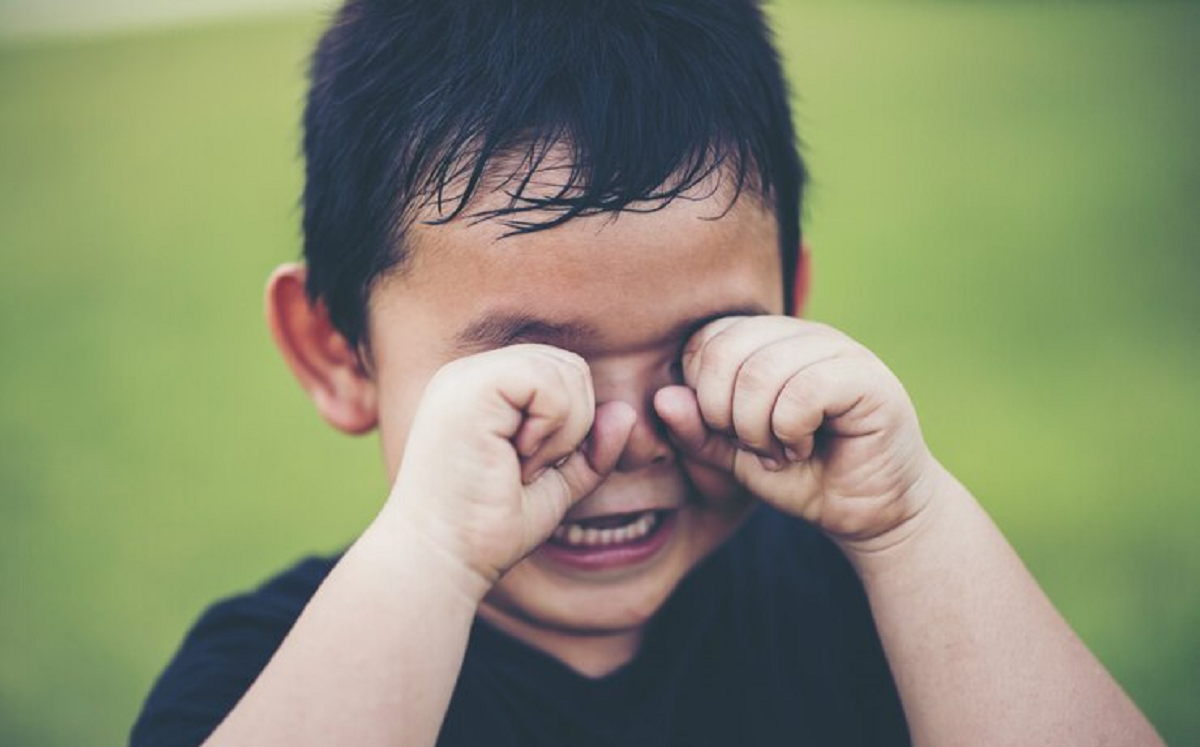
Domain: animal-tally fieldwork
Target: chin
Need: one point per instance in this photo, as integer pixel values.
(575, 609)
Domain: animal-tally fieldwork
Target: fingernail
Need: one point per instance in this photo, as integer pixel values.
(791, 454)
(769, 463)
(534, 477)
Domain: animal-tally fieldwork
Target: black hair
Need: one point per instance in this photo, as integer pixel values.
(411, 101)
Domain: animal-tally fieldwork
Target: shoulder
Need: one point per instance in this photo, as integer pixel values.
(221, 656)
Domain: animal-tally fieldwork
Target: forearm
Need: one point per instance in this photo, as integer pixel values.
(979, 654)
(373, 658)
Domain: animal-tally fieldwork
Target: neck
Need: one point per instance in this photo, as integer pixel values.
(592, 654)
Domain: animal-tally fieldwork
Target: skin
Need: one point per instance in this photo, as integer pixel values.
(490, 446)
(607, 276)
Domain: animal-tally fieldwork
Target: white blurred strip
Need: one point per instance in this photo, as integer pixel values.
(68, 17)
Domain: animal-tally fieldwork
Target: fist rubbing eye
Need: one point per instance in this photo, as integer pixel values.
(801, 415)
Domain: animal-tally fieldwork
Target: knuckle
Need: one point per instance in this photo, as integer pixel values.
(543, 370)
(715, 358)
(757, 373)
(454, 379)
(560, 356)
(752, 437)
(578, 373)
(714, 413)
(454, 369)
(709, 338)
(690, 353)
(570, 368)
(554, 398)
(575, 359)
(716, 327)
(576, 390)
(557, 410)
(795, 408)
(825, 330)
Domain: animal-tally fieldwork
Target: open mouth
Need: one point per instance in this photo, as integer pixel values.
(608, 541)
(607, 530)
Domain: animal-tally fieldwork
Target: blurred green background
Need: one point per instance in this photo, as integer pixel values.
(1005, 207)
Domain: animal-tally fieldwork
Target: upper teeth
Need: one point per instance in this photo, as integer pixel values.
(572, 533)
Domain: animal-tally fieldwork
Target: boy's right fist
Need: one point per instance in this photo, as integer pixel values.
(503, 443)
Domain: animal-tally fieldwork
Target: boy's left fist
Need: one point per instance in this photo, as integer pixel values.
(806, 419)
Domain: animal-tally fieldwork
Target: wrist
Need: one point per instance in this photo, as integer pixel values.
(415, 540)
(928, 504)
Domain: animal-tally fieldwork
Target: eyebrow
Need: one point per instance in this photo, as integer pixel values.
(500, 329)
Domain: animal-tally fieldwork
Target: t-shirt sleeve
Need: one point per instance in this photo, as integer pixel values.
(828, 633)
(221, 656)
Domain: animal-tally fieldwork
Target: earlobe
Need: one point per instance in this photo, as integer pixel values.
(318, 355)
(801, 279)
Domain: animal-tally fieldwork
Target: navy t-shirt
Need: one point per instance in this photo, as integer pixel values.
(768, 642)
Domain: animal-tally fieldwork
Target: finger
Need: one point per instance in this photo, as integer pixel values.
(703, 449)
(709, 366)
(696, 343)
(556, 489)
(546, 410)
(560, 420)
(678, 408)
(762, 377)
(524, 379)
(821, 395)
(574, 363)
(789, 326)
(610, 433)
(712, 367)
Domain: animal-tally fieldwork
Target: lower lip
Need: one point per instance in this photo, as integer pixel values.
(606, 557)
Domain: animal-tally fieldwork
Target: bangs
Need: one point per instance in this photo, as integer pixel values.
(566, 109)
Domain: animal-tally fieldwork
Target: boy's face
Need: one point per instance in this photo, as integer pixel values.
(624, 292)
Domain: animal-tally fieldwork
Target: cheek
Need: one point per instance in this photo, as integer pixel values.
(715, 490)
(716, 516)
(398, 404)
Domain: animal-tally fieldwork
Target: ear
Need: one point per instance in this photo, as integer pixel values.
(801, 280)
(320, 358)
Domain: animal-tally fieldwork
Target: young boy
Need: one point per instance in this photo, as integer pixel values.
(551, 252)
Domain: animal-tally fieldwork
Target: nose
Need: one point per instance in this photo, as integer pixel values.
(648, 443)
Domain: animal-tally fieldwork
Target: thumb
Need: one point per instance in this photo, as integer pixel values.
(558, 488)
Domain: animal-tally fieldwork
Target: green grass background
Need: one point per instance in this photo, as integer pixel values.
(1005, 207)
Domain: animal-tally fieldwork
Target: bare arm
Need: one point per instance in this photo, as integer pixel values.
(374, 657)
(815, 424)
(979, 654)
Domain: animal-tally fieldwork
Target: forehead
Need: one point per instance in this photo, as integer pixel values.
(627, 278)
